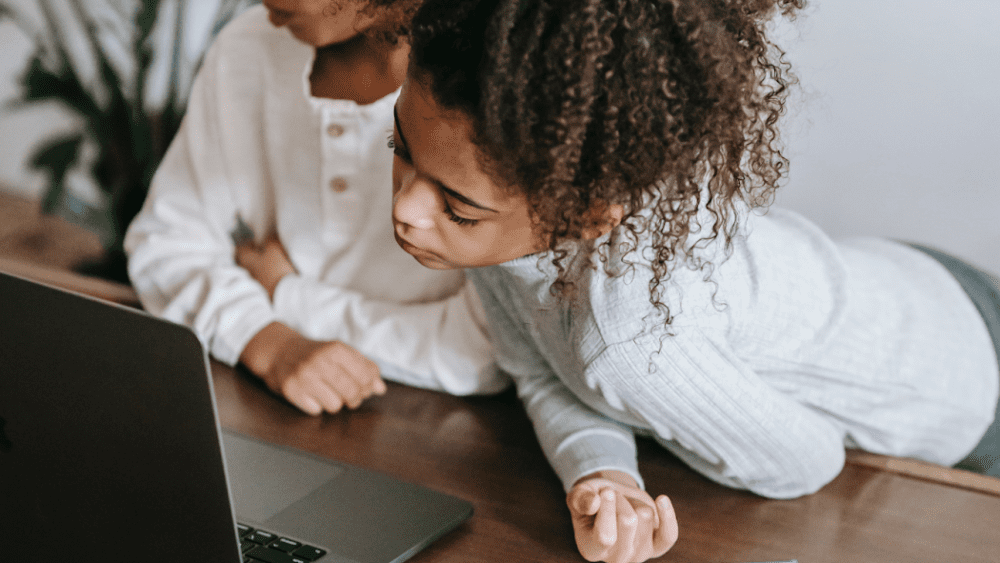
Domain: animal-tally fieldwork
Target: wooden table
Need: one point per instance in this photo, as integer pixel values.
(483, 449)
(879, 510)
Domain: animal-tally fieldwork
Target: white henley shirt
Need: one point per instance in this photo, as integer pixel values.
(318, 173)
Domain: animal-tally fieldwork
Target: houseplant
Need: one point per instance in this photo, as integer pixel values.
(123, 134)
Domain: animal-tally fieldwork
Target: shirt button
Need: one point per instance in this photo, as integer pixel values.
(334, 130)
(338, 185)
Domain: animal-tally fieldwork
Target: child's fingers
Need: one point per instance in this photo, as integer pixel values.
(341, 384)
(665, 534)
(363, 371)
(296, 393)
(628, 524)
(330, 398)
(584, 501)
(310, 381)
(645, 514)
(606, 521)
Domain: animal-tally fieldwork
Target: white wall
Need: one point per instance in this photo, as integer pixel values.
(895, 130)
(21, 131)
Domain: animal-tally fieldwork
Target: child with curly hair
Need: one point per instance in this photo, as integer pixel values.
(601, 167)
(285, 138)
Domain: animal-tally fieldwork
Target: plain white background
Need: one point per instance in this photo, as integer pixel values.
(893, 131)
(895, 128)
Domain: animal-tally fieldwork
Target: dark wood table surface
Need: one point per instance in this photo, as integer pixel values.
(483, 449)
(880, 509)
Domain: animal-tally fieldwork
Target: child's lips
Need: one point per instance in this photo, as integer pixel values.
(415, 251)
(406, 246)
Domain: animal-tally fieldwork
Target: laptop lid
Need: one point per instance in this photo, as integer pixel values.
(110, 445)
(111, 448)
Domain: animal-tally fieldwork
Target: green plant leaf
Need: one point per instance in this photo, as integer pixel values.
(41, 84)
(55, 158)
(129, 138)
(58, 155)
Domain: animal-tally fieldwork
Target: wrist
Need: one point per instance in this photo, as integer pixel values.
(260, 353)
(613, 475)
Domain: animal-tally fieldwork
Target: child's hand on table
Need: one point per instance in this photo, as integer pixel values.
(616, 521)
(315, 376)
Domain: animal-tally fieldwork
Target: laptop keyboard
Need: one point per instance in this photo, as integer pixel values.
(267, 547)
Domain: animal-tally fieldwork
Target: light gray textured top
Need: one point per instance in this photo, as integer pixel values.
(808, 346)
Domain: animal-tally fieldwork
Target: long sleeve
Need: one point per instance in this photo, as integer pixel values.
(442, 344)
(694, 396)
(792, 349)
(715, 413)
(692, 387)
(576, 440)
(181, 259)
(316, 173)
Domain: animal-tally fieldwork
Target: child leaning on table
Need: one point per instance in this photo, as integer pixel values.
(601, 167)
(287, 130)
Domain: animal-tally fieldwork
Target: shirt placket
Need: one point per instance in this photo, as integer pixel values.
(339, 173)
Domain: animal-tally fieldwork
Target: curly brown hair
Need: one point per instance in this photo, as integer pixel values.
(665, 107)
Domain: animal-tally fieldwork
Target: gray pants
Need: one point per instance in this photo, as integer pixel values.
(984, 289)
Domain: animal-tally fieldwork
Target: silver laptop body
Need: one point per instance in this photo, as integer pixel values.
(111, 451)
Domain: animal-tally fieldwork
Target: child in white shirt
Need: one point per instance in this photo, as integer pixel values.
(287, 129)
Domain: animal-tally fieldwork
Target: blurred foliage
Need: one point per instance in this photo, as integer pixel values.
(114, 41)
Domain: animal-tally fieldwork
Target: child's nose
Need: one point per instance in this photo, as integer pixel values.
(414, 203)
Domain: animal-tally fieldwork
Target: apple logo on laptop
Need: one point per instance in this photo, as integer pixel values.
(5, 444)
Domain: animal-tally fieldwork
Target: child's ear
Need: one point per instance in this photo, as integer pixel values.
(605, 218)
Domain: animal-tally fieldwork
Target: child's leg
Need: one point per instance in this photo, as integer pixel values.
(984, 289)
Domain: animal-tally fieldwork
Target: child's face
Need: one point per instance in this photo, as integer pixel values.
(446, 212)
(319, 22)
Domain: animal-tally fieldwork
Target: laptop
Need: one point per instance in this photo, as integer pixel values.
(111, 451)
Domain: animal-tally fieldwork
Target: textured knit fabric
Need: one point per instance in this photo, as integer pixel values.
(317, 172)
(984, 290)
(796, 348)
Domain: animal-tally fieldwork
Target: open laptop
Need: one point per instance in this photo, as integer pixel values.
(111, 451)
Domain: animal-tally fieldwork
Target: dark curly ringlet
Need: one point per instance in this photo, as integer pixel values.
(663, 105)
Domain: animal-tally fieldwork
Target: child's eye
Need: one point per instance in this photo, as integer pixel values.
(391, 141)
(463, 221)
